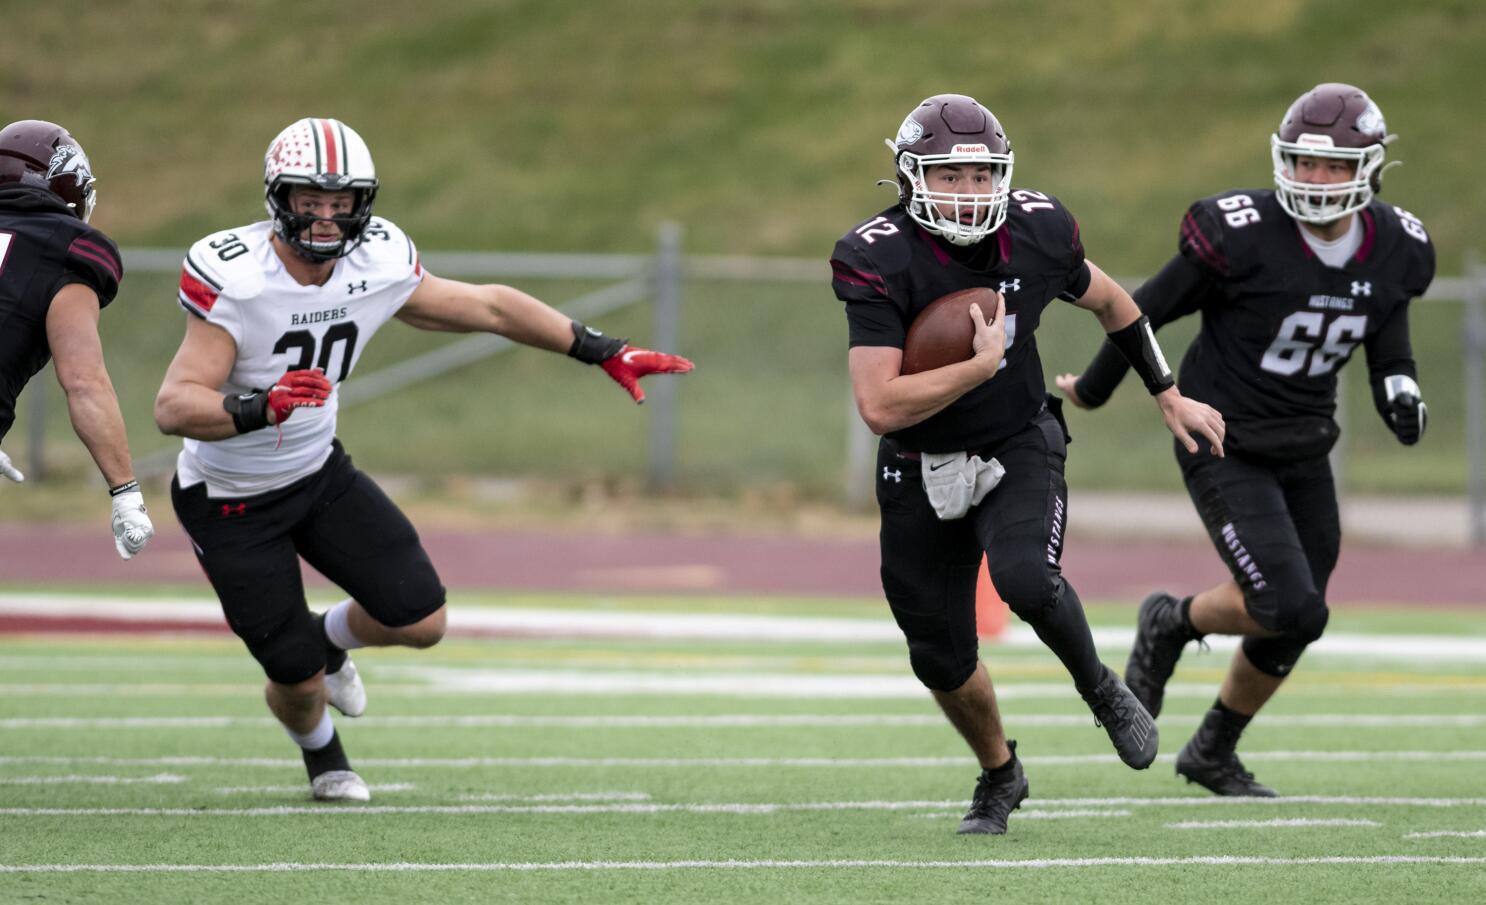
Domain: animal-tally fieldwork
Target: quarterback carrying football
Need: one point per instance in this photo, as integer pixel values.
(278, 313)
(971, 457)
(1289, 282)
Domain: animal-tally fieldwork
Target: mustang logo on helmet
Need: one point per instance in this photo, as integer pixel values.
(70, 160)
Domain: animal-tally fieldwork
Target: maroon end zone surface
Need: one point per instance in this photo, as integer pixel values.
(1101, 569)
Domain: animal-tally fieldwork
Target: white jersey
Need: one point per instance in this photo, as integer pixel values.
(235, 279)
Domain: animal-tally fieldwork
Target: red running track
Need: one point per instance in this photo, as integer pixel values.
(1100, 568)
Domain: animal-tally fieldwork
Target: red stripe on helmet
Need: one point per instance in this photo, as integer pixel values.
(332, 159)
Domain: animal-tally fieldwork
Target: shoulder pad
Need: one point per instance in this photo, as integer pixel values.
(225, 262)
(1219, 233)
(385, 248)
(890, 225)
(1408, 238)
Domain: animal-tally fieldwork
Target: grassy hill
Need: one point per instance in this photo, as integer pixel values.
(568, 126)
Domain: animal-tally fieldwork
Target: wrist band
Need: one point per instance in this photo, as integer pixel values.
(249, 411)
(592, 347)
(125, 487)
(1137, 343)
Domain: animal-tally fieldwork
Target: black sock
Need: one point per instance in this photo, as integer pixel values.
(1005, 769)
(335, 658)
(330, 757)
(1230, 717)
(1186, 611)
(1065, 630)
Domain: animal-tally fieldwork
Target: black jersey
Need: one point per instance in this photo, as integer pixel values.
(888, 269)
(1278, 323)
(43, 247)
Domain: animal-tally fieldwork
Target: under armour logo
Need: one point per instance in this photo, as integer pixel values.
(1362, 288)
(353, 288)
(1012, 285)
(228, 509)
(890, 473)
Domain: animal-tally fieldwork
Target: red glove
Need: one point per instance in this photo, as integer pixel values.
(296, 389)
(629, 364)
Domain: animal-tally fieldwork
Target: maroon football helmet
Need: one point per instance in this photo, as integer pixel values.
(952, 129)
(38, 153)
(1335, 121)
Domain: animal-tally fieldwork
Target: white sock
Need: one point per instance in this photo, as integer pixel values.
(318, 737)
(338, 627)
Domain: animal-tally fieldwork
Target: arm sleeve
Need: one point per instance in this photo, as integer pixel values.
(871, 315)
(1389, 352)
(93, 260)
(1178, 289)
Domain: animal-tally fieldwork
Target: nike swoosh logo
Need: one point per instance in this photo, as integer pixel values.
(937, 467)
(629, 357)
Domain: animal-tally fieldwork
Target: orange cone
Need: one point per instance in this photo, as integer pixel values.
(990, 611)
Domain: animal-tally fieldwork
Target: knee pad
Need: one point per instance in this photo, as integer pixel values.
(941, 667)
(1302, 625)
(1027, 585)
(288, 657)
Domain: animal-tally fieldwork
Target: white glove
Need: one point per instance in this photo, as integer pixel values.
(9, 470)
(956, 481)
(132, 528)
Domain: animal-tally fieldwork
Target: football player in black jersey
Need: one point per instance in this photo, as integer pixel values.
(1289, 282)
(56, 274)
(971, 457)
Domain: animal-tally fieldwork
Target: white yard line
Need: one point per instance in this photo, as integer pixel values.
(159, 779)
(1268, 824)
(304, 787)
(719, 626)
(717, 721)
(603, 803)
(1025, 814)
(527, 866)
(1059, 760)
(1441, 834)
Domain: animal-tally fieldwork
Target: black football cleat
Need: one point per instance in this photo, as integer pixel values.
(1129, 725)
(1160, 635)
(995, 799)
(1210, 759)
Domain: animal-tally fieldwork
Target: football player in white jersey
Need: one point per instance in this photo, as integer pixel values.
(279, 312)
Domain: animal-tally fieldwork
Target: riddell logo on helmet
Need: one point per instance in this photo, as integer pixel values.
(971, 149)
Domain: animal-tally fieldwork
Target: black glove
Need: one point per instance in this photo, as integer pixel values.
(1406, 413)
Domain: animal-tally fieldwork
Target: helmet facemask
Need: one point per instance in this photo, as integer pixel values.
(1324, 203)
(294, 228)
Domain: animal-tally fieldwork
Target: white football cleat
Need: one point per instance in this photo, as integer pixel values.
(344, 690)
(339, 785)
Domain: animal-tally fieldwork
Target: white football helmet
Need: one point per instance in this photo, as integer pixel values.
(1335, 121)
(324, 154)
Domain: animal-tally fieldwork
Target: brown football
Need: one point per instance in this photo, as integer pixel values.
(942, 332)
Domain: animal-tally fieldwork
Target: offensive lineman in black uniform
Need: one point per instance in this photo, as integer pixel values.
(1289, 281)
(948, 432)
(56, 274)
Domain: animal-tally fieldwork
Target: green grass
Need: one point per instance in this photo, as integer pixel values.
(124, 677)
(565, 126)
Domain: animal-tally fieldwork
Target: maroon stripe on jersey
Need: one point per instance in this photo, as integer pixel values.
(939, 253)
(1193, 234)
(1003, 242)
(1369, 235)
(852, 275)
(98, 254)
(417, 266)
(197, 293)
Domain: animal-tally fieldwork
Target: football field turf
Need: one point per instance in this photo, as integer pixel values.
(729, 767)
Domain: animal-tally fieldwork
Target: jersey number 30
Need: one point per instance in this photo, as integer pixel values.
(1297, 342)
(304, 341)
